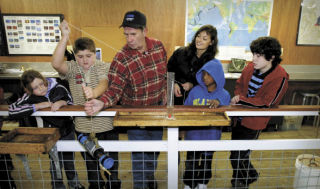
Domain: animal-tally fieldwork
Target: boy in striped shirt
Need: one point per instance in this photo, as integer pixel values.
(262, 84)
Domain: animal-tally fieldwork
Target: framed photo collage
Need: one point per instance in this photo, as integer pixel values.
(36, 34)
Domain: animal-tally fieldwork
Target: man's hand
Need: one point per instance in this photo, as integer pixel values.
(93, 106)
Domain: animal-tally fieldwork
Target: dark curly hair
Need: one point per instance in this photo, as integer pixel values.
(84, 43)
(268, 47)
(213, 48)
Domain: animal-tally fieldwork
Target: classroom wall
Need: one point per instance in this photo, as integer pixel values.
(165, 21)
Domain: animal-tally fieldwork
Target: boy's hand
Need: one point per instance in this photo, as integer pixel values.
(213, 103)
(235, 100)
(88, 92)
(57, 105)
(64, 28)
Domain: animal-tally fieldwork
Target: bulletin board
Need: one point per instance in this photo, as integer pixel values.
(31, 34)
(109, 38)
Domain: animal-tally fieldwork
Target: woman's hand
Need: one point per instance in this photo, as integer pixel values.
(177, 90)
(187, 86)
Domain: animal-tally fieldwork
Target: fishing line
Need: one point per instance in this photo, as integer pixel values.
(107, 45)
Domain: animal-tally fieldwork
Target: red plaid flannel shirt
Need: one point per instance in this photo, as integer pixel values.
(137, 79)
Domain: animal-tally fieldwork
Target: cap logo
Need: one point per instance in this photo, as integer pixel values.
(130, 17)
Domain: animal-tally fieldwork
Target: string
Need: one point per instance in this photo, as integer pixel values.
(107, 45)
(116, 50)
(119, 51)
(85, 83)
(92, 135)
(93, 37)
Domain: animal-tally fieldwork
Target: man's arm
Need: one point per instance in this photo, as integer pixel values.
(117, 74)
(58, 62)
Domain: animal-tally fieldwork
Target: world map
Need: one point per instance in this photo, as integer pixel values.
(238, 22)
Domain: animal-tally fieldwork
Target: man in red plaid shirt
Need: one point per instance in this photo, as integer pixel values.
(137, 77)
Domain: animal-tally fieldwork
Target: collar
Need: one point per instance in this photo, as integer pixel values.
(149, 46)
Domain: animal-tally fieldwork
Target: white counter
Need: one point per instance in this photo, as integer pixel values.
(296, 72)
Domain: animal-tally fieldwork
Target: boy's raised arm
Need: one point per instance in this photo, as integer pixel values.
(58, 62)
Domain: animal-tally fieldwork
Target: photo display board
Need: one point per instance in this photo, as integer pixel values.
(31, 34)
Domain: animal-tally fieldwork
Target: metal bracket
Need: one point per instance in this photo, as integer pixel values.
(53, 153)
(24, 160)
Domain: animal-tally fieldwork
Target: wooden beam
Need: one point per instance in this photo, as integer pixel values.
(182, 108)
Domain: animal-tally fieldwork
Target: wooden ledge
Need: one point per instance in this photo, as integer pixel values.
(182, 108)
(29, 140)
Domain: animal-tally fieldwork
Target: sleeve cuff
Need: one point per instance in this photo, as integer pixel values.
(105, 102)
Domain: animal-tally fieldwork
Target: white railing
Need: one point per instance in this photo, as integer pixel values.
(172, 145)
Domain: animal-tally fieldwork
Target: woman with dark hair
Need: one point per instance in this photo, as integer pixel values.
(186, 61)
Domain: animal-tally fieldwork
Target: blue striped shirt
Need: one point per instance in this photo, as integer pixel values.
(255, 83)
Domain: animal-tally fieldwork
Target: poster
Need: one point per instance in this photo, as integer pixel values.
(31, 34)
(309, 23)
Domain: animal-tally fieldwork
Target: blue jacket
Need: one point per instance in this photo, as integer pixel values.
(199, 96)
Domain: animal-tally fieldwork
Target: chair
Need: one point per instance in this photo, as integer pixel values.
(308, 99)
